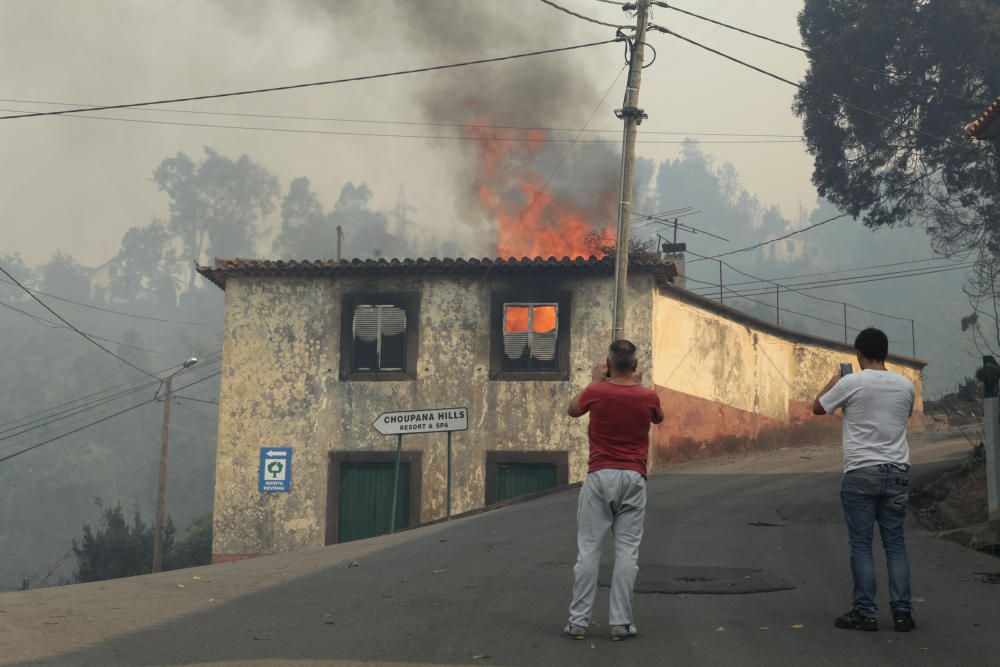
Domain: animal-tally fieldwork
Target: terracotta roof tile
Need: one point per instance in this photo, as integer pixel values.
(978, 128)
(223, 268)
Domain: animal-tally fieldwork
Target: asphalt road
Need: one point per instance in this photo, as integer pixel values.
(744, 562)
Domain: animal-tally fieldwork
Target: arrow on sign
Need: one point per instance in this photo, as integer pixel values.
(273, 453)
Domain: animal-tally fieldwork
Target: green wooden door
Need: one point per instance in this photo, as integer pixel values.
(518, 479)
(365, 499)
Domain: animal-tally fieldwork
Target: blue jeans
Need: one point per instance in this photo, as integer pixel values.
(870, 494)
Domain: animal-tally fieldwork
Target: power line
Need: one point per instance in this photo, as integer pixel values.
(789, 310)
(856, 280)
(818, 56)
(67, 323)
(49, 324)
(366, 77)
(391, 135)
(180, 404)
(213, 358)
(827, 96)
(80, 409)
(109, 310)
(467, 126)
(856, 268)
(779, 238)
(786, 287)
(101, 420)
(581, 16)
(197, 400)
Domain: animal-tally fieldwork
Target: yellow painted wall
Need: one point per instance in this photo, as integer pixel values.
(733, 377)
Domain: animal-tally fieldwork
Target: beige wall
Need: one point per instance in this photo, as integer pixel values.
(280, 387)
(729, 382)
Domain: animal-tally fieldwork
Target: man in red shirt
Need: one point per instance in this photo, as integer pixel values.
(613, 496)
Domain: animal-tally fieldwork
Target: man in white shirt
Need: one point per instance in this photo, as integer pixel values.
(877, 404)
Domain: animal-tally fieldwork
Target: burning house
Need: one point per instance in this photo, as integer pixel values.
(315, 352)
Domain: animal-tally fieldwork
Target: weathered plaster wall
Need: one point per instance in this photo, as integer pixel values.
(730, 384)
(281, 387)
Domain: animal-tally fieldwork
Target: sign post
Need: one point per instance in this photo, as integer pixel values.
(395, 483)
(437, 420)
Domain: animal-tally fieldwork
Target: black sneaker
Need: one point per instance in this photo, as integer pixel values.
(902, 621)
(854, 620)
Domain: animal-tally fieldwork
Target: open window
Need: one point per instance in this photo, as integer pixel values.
(379, 337)
(530, 337)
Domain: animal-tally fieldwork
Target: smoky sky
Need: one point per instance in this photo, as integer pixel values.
(78, 184)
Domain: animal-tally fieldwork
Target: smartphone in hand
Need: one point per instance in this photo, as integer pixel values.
(845, 369)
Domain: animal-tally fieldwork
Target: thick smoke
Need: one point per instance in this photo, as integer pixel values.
(550, 91)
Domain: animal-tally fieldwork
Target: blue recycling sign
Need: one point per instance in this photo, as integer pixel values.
(275, 469)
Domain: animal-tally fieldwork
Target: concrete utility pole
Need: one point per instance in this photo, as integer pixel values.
(991, 440)
(631, 115)
(161, 489)
(340, 241)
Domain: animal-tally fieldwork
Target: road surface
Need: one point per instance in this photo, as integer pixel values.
(744, 562)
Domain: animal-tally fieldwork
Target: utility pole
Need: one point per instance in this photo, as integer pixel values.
(161, 489)
(631, 115)
(991, 438)
(340, 241)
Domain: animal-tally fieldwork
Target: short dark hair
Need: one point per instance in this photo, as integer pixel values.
(621, 355)
(873, 344)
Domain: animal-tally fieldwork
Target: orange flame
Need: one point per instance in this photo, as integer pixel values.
(531, 220)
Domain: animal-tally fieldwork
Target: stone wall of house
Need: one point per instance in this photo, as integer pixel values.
(281, 387)
(730, 383)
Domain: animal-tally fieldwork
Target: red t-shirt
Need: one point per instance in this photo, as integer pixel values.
(620, 416)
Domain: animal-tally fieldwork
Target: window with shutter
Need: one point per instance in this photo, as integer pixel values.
(530, 336)
(378, 336)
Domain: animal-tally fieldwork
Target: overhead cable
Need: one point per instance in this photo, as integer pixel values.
(581, 16)
(853, 280)
(47, 420)
(314, 84)
(109, 310)
(71, 326)
(49, 324)
(818, 56)
(828, 96)
(525, 139)
(211, 359)
(101, 420)
(371, 121)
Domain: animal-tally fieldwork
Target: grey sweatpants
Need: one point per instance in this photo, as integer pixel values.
(609, 500)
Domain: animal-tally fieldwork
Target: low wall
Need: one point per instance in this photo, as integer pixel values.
(730, 382)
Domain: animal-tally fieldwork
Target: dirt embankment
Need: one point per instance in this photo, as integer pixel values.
(955, 505)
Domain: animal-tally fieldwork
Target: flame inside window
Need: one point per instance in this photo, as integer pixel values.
(530, 336)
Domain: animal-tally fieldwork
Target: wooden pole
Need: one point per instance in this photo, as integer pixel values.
(161, 489)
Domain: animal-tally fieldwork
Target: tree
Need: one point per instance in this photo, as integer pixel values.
(216, 206)
(148, 265)
(119, 549)
(930, 66)
(64, 276)
(309, 233)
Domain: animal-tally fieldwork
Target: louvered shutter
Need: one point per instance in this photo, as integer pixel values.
(365, 338)
(393, 330)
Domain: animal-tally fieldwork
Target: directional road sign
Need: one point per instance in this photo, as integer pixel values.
(437, 420)
(275, 469)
